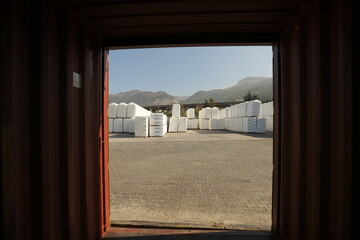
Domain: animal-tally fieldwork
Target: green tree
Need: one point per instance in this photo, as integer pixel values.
(212, 102)
(250, 96)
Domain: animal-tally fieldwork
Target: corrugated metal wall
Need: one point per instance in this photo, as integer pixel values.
(49, 135)
(316, 124)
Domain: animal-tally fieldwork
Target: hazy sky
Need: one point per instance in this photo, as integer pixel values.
(184, 71)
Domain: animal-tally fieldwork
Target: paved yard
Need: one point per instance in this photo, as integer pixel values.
(205, 178)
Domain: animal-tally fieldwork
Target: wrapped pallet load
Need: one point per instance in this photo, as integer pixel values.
(121, 110)
(141, 126)
(157, 119)
(261, 125)
(249, 125)
(253, 108)
(207, 112)
(190, 113)
(203, 123)
(111, 125)
(213, 124)
(175, 110)
(118, 125)
(192, 123)
(173, 124)
(112, 110)
(158, 125)
(134, 110)
(182, 125)
(215, 112)
(129, 125)
(158, 131)
(221, 124)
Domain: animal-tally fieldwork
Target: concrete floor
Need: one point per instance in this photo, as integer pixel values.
(200, 178)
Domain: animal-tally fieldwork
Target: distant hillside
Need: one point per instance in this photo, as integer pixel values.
(262, 86)
(143, 98)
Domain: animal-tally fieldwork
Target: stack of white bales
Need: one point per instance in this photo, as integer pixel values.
(211, 118)
(158, 125)
(141, 126)
(192, 121)
(244, 117)
(267, 112)
(112, 115)
(122, 116)
(177, 123)
(204, 118)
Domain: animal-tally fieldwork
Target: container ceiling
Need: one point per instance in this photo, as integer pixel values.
(121, 22)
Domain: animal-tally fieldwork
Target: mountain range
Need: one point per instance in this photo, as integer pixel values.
(262, 86)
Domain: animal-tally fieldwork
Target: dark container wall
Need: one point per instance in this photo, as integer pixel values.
(49, 129)
(316, 130)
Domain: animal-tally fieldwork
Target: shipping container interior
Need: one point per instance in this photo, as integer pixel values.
(54, 133)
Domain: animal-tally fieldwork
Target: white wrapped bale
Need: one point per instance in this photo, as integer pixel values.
(134, 110)
(176, 110)
(158, 131)
(267, 109)
(182, 127)
(111, 125)
(190, 113)
(249, 124)
(193, 123)
(173, 124)
(215, 112)
(213, 124)
(203, 123)
(221, 124)
(118, 125)
(228, 112)
(243, 109)
(227, 123)
(121, 110)
(222, 113)
(158, 119)
(129, 125)
(141, 126)
(207, 112)
(112, 110)
(261, 125)
(269, 123)
(201, 113)
(253, 108)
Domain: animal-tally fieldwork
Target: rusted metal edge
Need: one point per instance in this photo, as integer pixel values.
(248, 229)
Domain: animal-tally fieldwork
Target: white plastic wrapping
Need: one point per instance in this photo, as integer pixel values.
(111, 125)
(129, 125)
(193, 123)
(261, 125)
(141, 126)
(182, 127)
(176, 110)
(207, 112)
(158, 119)
(215, 112)
(204, 123)
(173, 124)
(213, 124)
(112, 110)
(118, 125)
(249, 124)
(190, 113)
(121, 110)
(158, 131)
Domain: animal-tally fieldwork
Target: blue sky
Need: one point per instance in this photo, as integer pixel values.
(184, 71)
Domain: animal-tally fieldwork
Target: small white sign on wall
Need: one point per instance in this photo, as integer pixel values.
(76, 80)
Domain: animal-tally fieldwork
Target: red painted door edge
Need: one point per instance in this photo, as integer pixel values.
(104, 150)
